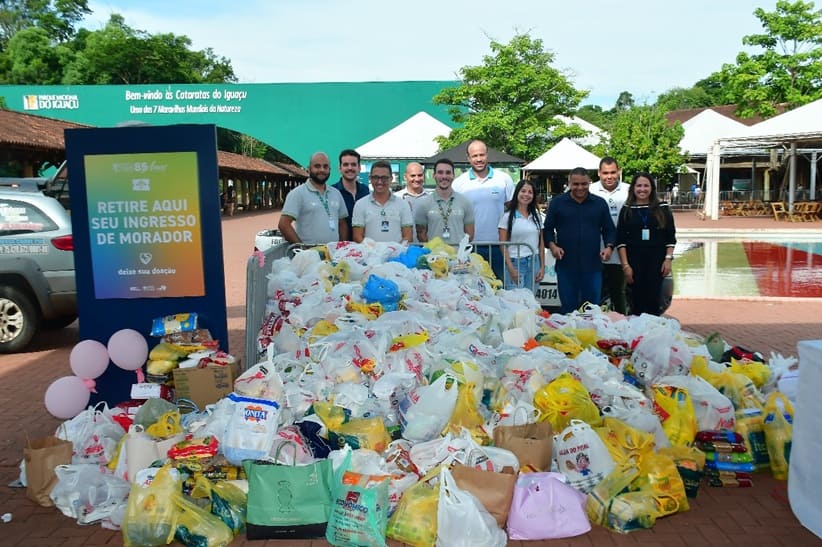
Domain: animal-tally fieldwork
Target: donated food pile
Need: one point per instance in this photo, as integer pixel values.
(400, 393)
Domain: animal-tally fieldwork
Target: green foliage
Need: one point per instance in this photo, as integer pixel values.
(680, 98)
(115, 54)
(511, 100)
(593, 113)
(57, 18)
(789, 67)
(642, 140)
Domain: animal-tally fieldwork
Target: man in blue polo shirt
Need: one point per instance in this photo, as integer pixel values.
(349, 184)
(576, 223)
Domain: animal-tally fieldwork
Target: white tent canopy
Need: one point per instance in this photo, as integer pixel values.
(801, 125)
(595, 134)
(564, 156)
(703, 129)
(412, 139)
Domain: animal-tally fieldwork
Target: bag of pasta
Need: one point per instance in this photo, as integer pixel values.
(676, 412)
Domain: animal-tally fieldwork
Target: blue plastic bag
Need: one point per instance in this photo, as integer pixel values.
(382, 291)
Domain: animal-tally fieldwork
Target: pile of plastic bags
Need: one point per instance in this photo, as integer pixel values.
(394, 380)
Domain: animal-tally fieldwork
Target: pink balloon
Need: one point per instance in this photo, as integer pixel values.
(66, 397)
(89, 359)
(128, 349)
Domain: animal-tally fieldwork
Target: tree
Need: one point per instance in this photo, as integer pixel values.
(642, 140)
(624, 102)
(118, 54)
(511, 100)
(57, 18)
(788, 70)
(679, 98)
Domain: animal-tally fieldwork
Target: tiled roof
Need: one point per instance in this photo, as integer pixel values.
(236, 164)
(21, 130)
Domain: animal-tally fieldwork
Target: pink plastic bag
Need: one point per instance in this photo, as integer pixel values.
(545, 507)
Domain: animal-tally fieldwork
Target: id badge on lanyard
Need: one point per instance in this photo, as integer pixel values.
(646, 234)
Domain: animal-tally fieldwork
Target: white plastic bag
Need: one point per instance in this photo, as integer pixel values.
(582, 456)
(425, 411)
(713, 409)
(94, 434)
(87, 494)
(462, 520)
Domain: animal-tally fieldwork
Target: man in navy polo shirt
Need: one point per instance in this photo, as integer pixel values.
(576, 224)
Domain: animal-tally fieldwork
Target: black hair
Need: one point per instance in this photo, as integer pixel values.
(349, 152)
(579, 171)
(445, 161)
(533, 208)
(608, 160)
(381, 163)
(653, 199)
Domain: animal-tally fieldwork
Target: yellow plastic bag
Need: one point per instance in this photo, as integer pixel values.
(439, 246)
(778, 427)
(675, 409)
(196, 527)
(739, 389)
(361, 433)
(565, 399)
(759, 373)
(151, 514)
(600, 498)
(166, 425)
(415, 520)
(625, 443)
(467, 416)
(658, 474)
(565, 342)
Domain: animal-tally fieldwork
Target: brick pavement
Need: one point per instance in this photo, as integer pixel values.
(718, 516)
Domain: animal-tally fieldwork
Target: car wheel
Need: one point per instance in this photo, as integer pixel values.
(18, 319)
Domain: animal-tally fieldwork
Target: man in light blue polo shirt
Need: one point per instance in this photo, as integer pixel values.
(314, 212)
(489, 192)
(382, 216)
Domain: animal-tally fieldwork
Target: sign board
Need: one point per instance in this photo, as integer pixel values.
(147, 233)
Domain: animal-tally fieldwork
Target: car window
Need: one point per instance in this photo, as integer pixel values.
(19, 217)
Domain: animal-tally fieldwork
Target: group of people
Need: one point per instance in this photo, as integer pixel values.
(602, 236)
(608, 235)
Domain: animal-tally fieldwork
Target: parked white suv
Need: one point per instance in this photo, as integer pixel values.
(37, 284)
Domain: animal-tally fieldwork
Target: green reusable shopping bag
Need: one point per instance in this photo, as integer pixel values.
(287, 501)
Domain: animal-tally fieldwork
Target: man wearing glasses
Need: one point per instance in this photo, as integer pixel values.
(314, 212)
(381, 216)
(614, 192)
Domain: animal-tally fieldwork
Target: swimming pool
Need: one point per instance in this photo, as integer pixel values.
(767, 268)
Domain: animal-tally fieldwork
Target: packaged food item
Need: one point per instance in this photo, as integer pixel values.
(181, 322)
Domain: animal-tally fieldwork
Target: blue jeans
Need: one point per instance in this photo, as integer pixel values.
(577, 288)
(525, 273)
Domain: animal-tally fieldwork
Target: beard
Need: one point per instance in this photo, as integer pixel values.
(319, 178)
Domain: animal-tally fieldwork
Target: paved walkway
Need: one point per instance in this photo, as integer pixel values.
(718, 516)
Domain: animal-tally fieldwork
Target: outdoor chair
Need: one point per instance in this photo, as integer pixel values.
(780, 212)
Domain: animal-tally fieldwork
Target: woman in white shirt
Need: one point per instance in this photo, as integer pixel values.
(522, 223)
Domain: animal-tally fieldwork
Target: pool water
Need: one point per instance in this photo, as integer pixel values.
(748, 268)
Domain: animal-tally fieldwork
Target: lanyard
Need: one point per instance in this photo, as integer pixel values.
(644, 215)
(323, 197)
(445, 214)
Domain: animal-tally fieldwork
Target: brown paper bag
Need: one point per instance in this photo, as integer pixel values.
(42, 456)
(493, 490)
(530, 442)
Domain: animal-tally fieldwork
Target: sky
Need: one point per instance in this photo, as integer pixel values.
(645, 47)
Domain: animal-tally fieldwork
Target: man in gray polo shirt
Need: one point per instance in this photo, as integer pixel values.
(314, 212)
(381, 216)
(444, 213)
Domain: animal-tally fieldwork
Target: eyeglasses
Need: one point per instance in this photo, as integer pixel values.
(377, 178)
